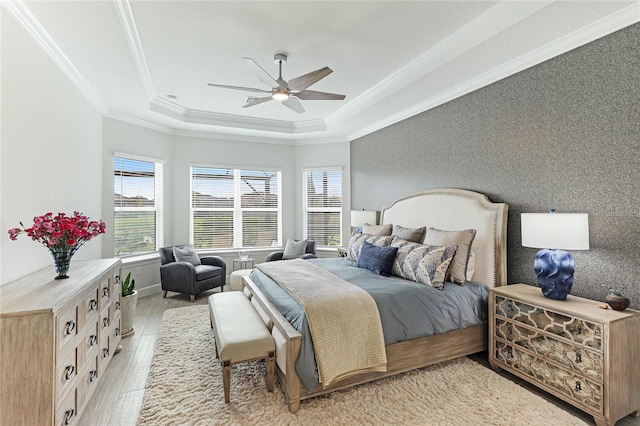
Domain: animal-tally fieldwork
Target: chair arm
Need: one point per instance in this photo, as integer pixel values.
(216, 261)
(178, 272)
(308, 256)
(276, 255)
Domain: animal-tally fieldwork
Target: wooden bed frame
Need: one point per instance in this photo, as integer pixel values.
(446, 209)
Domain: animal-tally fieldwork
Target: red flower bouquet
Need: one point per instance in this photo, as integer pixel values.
(63, 235)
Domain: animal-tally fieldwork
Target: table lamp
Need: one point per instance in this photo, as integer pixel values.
(553, 233)
(360, 217)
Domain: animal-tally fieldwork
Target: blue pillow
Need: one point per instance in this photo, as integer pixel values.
(377, 259)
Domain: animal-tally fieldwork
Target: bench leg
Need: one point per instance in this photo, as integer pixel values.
(271, 369)
(226, 379)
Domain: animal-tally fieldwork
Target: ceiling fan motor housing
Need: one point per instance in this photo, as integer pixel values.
(280, 58)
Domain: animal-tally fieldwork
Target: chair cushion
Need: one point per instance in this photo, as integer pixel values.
(294, 249)
(186, 254)
(204, 272)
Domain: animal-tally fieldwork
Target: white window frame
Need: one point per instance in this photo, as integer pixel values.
(237, 203)
(158, 207)
(306, 209)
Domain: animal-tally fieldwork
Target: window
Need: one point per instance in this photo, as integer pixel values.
(235, 208)
(323, 206)
(137, 205)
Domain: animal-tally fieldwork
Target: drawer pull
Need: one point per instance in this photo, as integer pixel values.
(117, 331)
(93, 339)
(117, 306)
(71, 325)
(105, 322)
(68, 372)
(92, 376)
(68, 416)
(93, 305)
(105, 352)
(105, 291)
(578, 357)
(578, 385)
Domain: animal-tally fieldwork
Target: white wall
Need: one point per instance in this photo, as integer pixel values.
(50, 150)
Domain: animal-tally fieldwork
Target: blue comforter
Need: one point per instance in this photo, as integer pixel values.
(407, 309)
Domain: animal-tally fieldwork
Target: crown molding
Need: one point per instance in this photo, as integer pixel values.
(226, 137)
(29, 22)
(478, 30)
(115, 115)
(175, 111)
(598, 29)
(125, 14)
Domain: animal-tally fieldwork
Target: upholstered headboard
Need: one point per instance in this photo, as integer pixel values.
(457, 209)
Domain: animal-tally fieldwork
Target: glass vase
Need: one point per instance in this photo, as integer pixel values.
(62, 261)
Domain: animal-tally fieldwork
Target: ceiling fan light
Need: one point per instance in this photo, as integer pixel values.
(279, 95)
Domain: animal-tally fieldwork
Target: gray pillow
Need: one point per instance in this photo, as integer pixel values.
(186, 254)
(463, 239)
(357, 241)
(294, 249)
(380, 230)
(415, 235)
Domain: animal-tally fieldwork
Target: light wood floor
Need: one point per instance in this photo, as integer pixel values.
(118, 399)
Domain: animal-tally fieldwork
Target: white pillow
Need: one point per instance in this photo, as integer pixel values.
(186, 254)
(294, 249)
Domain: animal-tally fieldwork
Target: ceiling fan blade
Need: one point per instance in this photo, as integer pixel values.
(311, 95)
(293, 103)
(304, 81)
(246, 89)
(257, 101)
(261, 73)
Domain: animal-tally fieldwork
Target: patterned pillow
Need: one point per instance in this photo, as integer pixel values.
(422, 263)
(357, 241)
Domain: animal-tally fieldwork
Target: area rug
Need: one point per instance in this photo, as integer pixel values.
(184, 387)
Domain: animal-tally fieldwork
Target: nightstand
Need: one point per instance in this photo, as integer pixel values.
(584, 355)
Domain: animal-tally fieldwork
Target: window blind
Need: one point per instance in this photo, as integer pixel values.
(323, 206)
(235, 208)
(137, 206)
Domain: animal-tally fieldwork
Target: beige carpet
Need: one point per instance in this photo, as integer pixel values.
(184, 387)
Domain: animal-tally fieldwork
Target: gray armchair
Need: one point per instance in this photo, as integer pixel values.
(185, 278)
(310, 252)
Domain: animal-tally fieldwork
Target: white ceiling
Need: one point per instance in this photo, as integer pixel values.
(392, 59)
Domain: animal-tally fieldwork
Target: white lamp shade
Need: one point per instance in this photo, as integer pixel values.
(360, 217)
(564, 231)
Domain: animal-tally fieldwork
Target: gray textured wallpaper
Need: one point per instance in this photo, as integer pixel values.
(564, 134)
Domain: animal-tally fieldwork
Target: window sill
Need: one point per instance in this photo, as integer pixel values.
(140, 259)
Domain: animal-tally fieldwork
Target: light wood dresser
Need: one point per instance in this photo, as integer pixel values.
(57, 338)
(587, 356)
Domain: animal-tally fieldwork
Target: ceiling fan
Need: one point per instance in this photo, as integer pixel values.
(289, 92)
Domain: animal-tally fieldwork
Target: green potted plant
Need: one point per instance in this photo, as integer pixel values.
(129, 302)
(616, 299)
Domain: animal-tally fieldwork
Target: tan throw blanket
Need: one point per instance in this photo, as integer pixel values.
(343, 319)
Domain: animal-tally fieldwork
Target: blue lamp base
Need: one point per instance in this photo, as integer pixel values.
(554, 269)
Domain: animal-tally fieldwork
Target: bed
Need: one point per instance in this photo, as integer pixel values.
(445, 209)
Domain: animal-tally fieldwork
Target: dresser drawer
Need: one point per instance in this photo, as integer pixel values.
(105, 292)
(574, 329)
(66, 370)
(88, 379)
(88, 342)
(581, 391)
(66, 326)
(66, 414)
(570, 355)
(88, 308)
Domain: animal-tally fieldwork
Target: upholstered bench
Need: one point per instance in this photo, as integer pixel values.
(236, 279)
(240, 335)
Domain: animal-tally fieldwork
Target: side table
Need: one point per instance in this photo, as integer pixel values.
(243, 263)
